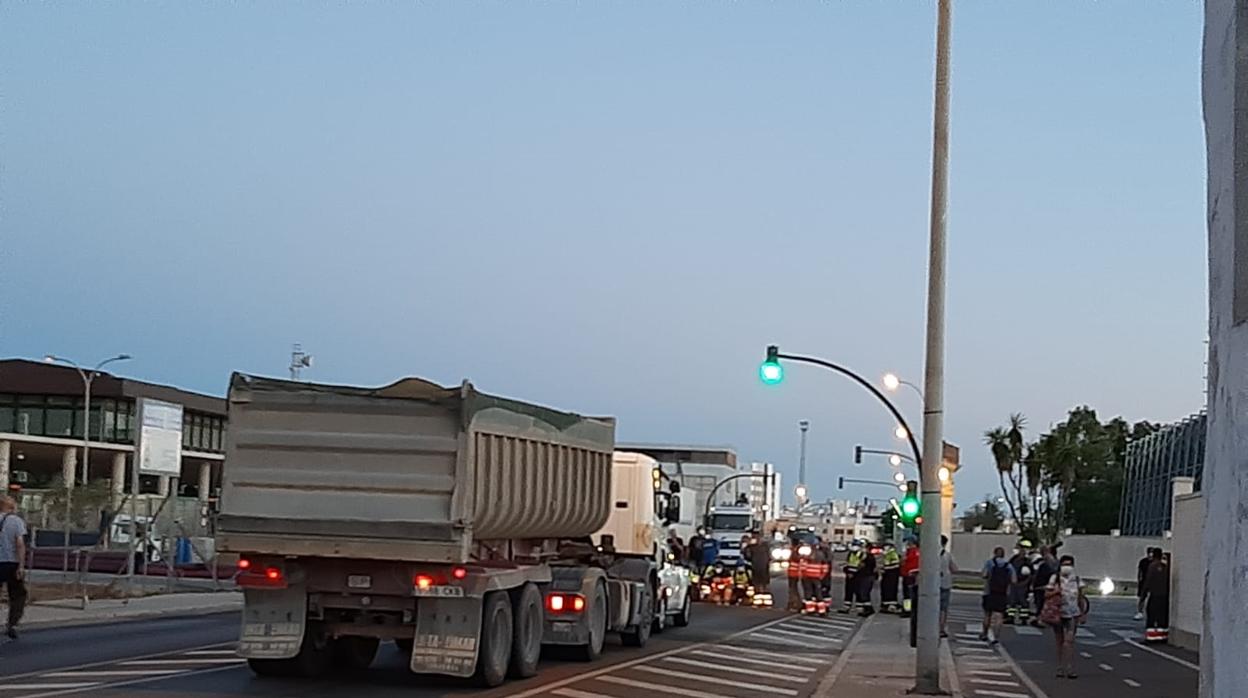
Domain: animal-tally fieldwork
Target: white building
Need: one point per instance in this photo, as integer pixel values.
(697, 468)
(764, 490)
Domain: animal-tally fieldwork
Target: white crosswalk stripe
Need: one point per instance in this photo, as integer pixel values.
(762, 688)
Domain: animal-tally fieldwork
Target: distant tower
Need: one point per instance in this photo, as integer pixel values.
(298, 361)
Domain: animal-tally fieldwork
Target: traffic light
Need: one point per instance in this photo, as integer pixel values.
(771, 371)
(911, 508)
(840, 483)
(858, 455)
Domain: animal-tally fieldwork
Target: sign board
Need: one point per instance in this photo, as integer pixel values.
(159, 435)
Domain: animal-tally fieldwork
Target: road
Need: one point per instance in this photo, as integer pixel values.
(726, 651)
(1111, 661)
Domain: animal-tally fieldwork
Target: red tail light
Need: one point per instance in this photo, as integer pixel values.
(459, 572)
(273, 574)
(244, 564)
(423, 581)
(252, 577)
(565, 603)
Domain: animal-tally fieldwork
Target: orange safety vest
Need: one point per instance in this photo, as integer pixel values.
(807, 568)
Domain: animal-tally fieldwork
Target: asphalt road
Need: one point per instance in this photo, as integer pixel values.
(1111, 661)
(726, 651)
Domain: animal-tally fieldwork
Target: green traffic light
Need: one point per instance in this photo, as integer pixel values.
(910, 508)
(771, 372)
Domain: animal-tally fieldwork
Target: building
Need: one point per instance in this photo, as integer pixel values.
(41, 427)
(1152, 463)
(764, 490)
(699, 469)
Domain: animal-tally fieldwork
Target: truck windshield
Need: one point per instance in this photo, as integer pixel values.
(730, 522)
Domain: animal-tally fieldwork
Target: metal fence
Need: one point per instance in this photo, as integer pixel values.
(1152, 463)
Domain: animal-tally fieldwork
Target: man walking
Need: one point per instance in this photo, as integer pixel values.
(1157, 584)
(1043, 575)
(1141, 573)
(948, 568)
(13, 561)
(998, 578)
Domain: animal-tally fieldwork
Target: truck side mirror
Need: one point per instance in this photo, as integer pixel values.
(674, 487)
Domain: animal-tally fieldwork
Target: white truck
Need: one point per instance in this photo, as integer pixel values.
(729, 524)
(457, 524)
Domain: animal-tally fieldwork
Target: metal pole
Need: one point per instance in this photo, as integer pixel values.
(927, 657)
(134, 514)
(86, 423)
(801, 468)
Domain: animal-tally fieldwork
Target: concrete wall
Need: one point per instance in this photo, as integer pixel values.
(1187, 572)
(1096, 557)
(1224, 673)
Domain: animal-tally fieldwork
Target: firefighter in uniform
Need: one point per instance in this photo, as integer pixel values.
(852, 563)
(795, 576)
(891, 562)
(814, 569)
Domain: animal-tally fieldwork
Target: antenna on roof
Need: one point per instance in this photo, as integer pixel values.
(298, 360)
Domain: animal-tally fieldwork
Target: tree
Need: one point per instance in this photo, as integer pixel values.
(987, 515)
(1008, 447)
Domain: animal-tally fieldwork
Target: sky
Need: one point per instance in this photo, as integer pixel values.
(613, 207)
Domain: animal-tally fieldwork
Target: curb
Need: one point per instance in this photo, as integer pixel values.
(824, 687)
(950, 669)
(126, 617)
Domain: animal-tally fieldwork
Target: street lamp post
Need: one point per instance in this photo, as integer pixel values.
(892, 382)
(804, 425)
(88, 377)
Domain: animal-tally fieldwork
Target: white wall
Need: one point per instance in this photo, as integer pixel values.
(1096, 557)
(1224, 673)
(1187, 572)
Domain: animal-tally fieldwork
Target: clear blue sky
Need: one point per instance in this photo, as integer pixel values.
(613, 207)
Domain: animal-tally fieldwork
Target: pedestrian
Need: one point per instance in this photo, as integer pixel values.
(910, 577)
(694, 550)
(1140, 574)
(891, 562)
(13, 561)
(948, 568)
(866, 582)
(1019, 611)
(1157, 583)
(852, 562)
(1063, 611)
(998, 578)
(759, 556)
(1045, 570)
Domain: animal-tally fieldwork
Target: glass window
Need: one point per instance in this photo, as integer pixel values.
(7, 419)
(30, 415)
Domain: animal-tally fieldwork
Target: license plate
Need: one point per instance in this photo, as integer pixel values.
(440, 592)
(359, 581)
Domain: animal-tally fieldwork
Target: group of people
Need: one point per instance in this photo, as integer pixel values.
(1154, 594)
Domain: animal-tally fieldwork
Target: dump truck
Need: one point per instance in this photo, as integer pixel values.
(457, 524)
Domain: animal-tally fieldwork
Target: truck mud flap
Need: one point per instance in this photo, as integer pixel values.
(447, 636)
(273, 623)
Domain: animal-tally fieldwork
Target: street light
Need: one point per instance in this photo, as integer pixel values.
(894, 460)
(88, 377)
(893, 383)
(901, 432)
(943, 473)
(899, 476)
(800, 492)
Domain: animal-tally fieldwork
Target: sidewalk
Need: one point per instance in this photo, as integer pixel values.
(69, 613)
(879, 663)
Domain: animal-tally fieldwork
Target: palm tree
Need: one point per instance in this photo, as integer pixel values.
(999, 443)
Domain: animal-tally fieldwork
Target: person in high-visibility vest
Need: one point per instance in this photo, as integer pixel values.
(852, 563)
(814, 570)
(799, 557)
(910, 577)
(891, 563)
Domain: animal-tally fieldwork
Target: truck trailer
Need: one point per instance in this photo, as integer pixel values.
(457, 524)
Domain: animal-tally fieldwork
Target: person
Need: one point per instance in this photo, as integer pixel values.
(1064, 597)
(694, 551)
(998, 578)
(759, 556)
(891, 563)
(676, 546)
(866, 582)
(1045, 571)
(741, 581)
(814, 569)
(948, 568)
(850, 568)
(1157, 584)
(1140, 574)
(910, 577)
(13, 561)
(1018, 611)
(721, 584)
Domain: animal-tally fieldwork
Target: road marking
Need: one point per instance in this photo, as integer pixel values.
(37, 686)
(999, 694)
(736, 670)
(183, 662)
(1125, 655)
(994, 682)
(573, 693)
(1018, 673)
(840, 622)
(716, 680)
(132, 682)
(1132, 684)
(1106, 667)
(986, 672)
(803, 641)
(116, 672)
(804, 636)
(976, 649)
(600, 674)
(206, 653)
(1159, 653)
(1027, 630)
(765, 653)
(820, 625)
(1085, 655)
(748, 660)
(674, 690)
(975, 628)
(112, 662)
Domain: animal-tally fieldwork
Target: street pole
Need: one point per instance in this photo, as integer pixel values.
(927, 658)
(804, 425)
(86, 423)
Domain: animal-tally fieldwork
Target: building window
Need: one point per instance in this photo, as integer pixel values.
(30, 415)
(59, 420)
(8, 420)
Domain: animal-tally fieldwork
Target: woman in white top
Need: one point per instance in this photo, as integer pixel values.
(1066, 590)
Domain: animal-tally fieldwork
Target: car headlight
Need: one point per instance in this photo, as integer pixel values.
(804, 551)
(781, 554)
(1107, 586)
